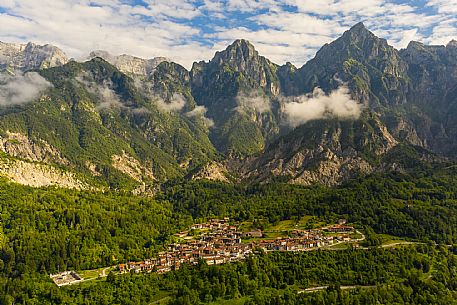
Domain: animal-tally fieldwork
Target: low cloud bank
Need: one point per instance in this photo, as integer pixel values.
(175, 104)
(319, 105)
(200, 111)
(253, 101)
(21, 88)
(106, 96)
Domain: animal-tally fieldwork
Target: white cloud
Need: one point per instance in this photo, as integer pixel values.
(401, 39)
(443, 32)
(173, 8)
(21, 88)
(444, 6)
(79, 28)
(253, 101)
(318, 105)
(106, 96)
(251, 5)
(175, 104)
(299, 23)
(197, 111)
(283, 30)
(200, 112)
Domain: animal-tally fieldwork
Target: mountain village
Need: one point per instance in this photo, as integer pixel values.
(219, 241)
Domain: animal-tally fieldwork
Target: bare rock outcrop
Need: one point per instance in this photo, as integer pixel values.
(30, 56)
(20, 146)
(131, 167)
(213, 171)
(39, 175)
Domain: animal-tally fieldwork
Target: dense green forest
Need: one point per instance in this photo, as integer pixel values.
(421, 205)
(48, 230)
(409, 275)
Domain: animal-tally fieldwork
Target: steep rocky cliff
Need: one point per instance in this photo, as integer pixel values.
(128, 64)
(138, 122)
(30, 56)
(237, 87)
(323, 151)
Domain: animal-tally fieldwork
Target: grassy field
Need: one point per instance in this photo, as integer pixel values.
(161, 298)
(239, 301)
(390, 239)
(94, 273)
(306, 222)
(355, 236)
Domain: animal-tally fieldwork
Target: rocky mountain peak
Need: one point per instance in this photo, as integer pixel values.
(415, 45)
(357, 43)
(237, 54)
(244, 45)
(238, 59)
(452, 44)
(416, 51)
(30, 56)
(419, 53)
(130, 64)
(359, 29)
(360, 36)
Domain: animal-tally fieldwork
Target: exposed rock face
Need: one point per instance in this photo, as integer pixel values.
(323, 152)
(130, 64)
(131, 167)
(231, 86)
(36, 167)
(374, 70)
(30, 56)
(213, 171)
(333, 171)
(242, 57)
(157, 111)
(20, 146)
(433, 74)
(239, 60)
(92, 168)
(39, 175)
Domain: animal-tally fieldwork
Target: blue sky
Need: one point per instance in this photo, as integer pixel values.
(192, 30)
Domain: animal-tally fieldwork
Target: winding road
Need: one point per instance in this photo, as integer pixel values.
(319, 288)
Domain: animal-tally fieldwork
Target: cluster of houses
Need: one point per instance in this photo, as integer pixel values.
(219, 242)
(299, 240)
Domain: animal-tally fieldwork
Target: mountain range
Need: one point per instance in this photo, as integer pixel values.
(122, 122)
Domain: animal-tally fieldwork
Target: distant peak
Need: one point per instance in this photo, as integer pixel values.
(242, 41)
(452, 43)
(415, 45)
(242, 44)
(239, 50)
(128, 63)
(358, 26)
(31, 56)
(99, 52)
(358, 31)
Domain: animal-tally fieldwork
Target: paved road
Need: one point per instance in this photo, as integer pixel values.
(319, 288)
(400, 243)
(103, 274)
